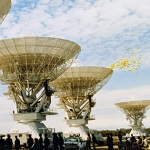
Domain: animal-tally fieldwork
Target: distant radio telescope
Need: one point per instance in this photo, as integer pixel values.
(76, 88)
(27, 65)
(135, 113)
(5, 6)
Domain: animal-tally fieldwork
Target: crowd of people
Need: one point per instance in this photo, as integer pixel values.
(44, 143)
(131, 143)
(136, 144)
(7, 144)
(41, 143)
(57, 142)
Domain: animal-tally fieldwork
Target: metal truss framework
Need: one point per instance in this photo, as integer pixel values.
(135, 111)
(28, 63)
(5, 6)
(76, 87)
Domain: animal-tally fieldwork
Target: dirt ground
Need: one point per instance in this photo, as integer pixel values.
(115, 148)
(105, 147)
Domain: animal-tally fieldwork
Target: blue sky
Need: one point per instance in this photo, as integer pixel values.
(104, 29)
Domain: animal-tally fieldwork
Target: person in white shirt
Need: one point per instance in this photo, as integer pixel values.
(145, 143)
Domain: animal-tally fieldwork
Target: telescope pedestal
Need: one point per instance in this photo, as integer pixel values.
(138, 131)
(33, 128)
(29, 123)
(76, 127)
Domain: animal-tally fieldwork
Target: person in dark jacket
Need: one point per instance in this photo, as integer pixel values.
(88, 142)
(60, 141)
(93, 141)
(17, 143)
(111, 142)
(30, 141)
(120, 141)
(41, 141)
(55, 141)
(36, 145)
(132, 139)
(9, 143)
(46, 142)
(2, 143)
(108, 141)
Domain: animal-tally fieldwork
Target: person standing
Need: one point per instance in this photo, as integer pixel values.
(9, 142)
(88, 142)
(17, 143)
(93, 141)
(128, 144)
(60, 141)
(145, 143)
(111, 142)
(36, 145)
(46, 142)
(108, 141)
(139, 143)
(133, 142)
(55, 141)
(2, 143)
(41, 141)
(120, 141)
(30, 141)
(132, 139)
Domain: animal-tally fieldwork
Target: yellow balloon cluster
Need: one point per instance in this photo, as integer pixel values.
(130, 62)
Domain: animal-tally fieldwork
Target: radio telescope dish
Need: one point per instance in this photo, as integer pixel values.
(76, 86)
(27, 65)
(5, 6)
(135, 113)
(34, 59)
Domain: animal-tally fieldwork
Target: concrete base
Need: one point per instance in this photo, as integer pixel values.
(137, 131)
(28, 117)
(33, 128)
(77, 130)
(76, 122)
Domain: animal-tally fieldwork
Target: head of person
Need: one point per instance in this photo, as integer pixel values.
(36, 140)
(54, 134)
(8, 135)
(107, 134)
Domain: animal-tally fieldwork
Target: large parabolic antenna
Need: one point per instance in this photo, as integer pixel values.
(27, 65)
(75, 90)
(5, 6)
(135, 113)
